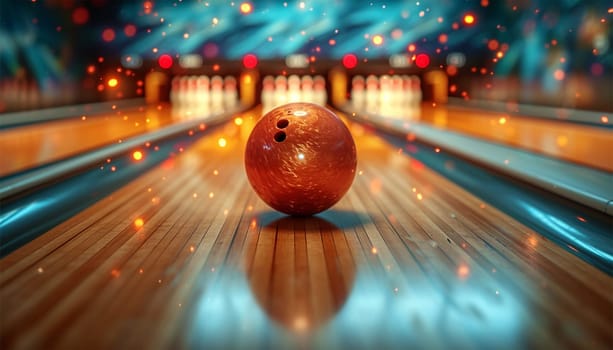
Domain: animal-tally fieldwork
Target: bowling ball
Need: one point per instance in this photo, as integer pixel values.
(300, 158)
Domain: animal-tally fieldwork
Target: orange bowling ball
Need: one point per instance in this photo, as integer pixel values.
(300, 158)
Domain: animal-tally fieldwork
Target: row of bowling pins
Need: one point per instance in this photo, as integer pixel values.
(396, 96)
(200, 95)
(277, 91)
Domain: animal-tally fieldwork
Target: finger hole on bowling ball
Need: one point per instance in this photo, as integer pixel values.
(280, 136)
(282, 123)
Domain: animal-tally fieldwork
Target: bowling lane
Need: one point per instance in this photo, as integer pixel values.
(186, 256)
(37, 144)
(578, 143)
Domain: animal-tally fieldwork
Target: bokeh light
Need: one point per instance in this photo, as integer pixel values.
(108, 35)
(469, 19)
(422, 60)
(250, 61)
(80, 15)
(138, 223)
(350, 61)
(377, 40)
(246, 8)
(165, 61)
(137, 155)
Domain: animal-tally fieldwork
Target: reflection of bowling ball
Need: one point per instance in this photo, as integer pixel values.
(301, 272)
(300, 158)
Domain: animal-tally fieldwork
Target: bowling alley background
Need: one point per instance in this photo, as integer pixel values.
(446, 185)
(539, 52)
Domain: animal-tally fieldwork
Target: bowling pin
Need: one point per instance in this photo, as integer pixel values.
(396, 96)
(357, 92)
(385, 90)
(230, 92)
(372, 94)
(307, 88)
(216, 94)
(280, 90)
(320, 96)
(293, 89)
(268, 93)
(204, 95)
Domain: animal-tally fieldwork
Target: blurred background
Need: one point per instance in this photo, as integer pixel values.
(553, 53)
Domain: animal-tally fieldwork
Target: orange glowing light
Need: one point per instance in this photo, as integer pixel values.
(411, 48)
(559, 74)
(442, 38)
(91, 69)
(377, 40)
(562, 140)
(137, 155)
(500, 54)
(533, 241)
(469, 19)
(112, 82)
(604, 119)
(139, 222)
(246, 8)
(493, 44)
(222, 142)
(502, 120)
(238, 121)
(463, 271)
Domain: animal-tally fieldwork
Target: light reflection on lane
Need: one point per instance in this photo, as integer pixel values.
(374, 314)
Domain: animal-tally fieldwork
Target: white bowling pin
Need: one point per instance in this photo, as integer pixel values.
(357, 92)
(293, 89)
(307, 88)
(230, 93)
(320, 96)
(268, 93)
(372, 94)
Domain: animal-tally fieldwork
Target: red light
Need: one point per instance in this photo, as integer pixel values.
(129, 30)
(250, 60)
(165, 61)
(80, 15)
(422, 60)
(350, 61)
(108, 35)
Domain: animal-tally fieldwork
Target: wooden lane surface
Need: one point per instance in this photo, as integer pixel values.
(35, 144)
(578, 143)
(187, 256)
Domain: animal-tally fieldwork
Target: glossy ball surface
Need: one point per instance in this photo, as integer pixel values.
(300, 158)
